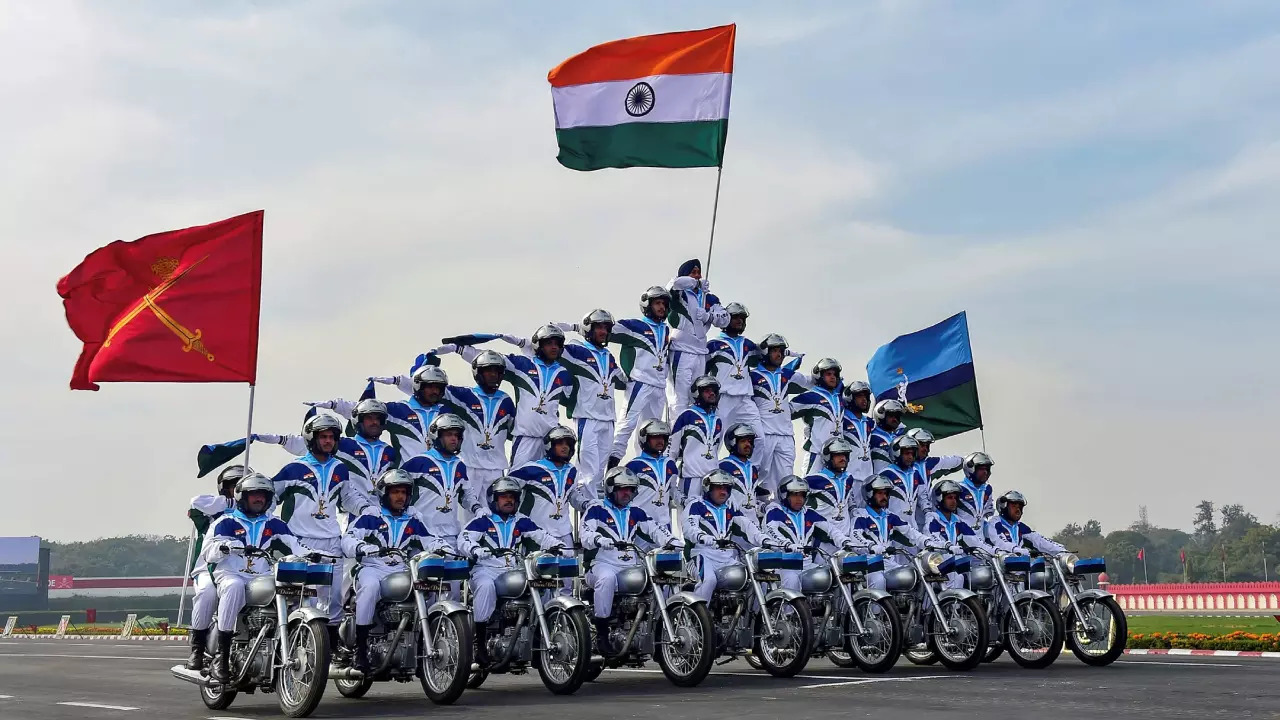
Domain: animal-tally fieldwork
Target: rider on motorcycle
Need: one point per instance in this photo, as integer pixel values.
(206, 509)
(247, 526)
(398, 526)
(832, 491)
(606, 523)
(799, 528)
(1010, 534)
(748, 493)
(947, 529)
(659, 477)
(878, 528)
(976, 502)
(504, 528)
(714, 525)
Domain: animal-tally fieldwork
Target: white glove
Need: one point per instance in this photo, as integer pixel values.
(366, 549)
(382, 379)
(795, 547)
(267, 438)
(325, 405)
(879, 548)
(605, 543)
(956, 550)
(482, 553)
(672, 544)
(1021, 551)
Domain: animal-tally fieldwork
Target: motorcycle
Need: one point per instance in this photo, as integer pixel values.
(279, 645)
(775, 627)
(858, 626)
(651, 621)
(1096, 628)
(1027, 624)
(553, 635)
(410, 638)
(953, 629)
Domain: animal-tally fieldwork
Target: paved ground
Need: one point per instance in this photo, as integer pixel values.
(43, 680)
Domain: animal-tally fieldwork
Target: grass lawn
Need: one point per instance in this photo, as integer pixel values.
(1264, 624)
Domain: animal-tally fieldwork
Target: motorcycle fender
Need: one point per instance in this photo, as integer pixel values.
(684, 597)
(1095, 594)
(1031, 594)
(873, 593)
(784, 593)
(306, 615)
(447, 607)
(565, 602)
(957, 593)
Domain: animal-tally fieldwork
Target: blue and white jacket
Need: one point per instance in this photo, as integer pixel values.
(604, 520)
(730, 359)
(878, 530)
(409, 421)
(540, 386)
(837, 497)
(550, 491)
(596, 374)
(310, 494)
(490, 419)
(659, 486)
(807, 528)
(697, 435)
(365, 459)
(977, 503)
(1011, 537)
(645, 344)
(237, 530)
(945, 530)
(771, 391)
(880, 441)
(389, 530)
(857, 430)
(694, 310)
(820, 410)
(746, 478)
(705, 523)
(440, 488)
(911, 497)
(492, 531)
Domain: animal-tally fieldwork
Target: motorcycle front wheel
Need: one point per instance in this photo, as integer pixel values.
(1041, 644)
(219, 699)
(564, 665)
(353, 689)
(445, 667)
(786, 652)
(300, 682)
(877, 651)
(1100, 636)
(687, 655)
(966, 644)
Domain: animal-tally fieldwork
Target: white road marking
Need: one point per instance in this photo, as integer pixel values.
(739, 674)
(224, 717)
(91, 657)
(6, 697)
(867, 681)
(1178, 662)
(97, 705)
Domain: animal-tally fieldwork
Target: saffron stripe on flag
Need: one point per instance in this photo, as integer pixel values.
(677, 53)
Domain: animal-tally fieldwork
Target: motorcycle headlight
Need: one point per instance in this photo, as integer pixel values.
(933, 562)
(1069, 561)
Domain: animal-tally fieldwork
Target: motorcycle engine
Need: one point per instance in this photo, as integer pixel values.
(405, 658)
(240, 653)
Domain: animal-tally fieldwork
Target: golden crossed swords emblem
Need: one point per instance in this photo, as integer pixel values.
(164, 270)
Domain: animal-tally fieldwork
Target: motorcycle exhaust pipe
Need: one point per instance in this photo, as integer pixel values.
(346, 673)
(192, 676)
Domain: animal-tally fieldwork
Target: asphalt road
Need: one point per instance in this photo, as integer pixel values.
(48, 679)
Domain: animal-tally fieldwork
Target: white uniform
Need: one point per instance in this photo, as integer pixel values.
(693, 311)
(730, 359)
(550, 491)
(977, 504)
(1015, 537)
(704, 524)
(820, 410)
(857, 430)
(388, 530)
(596, 374)
(660, 489)
(205, 510)
(490, 418)
(486, 533)
(836, 496)
(880, 441)
(746, 484)
(408, 422)
(605, 523)
(878, 530)
(772, 390)
(802, 531)
(910, 499)
(645, 343)
(441, 487)
(696, 437)
(952, 532)
(231, 572)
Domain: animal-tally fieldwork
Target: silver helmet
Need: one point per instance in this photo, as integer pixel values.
(945, 487)
(898, 444)
(504, 484)
(318, 423)
(974, 459)
(232, 474)
(701, 383)
(557, 434)
(392, 477)
(887, 406)
(823, 365)
(547, 332)
(369, 406)
(920, 435)
(737, 308)
(653, 428)
(736, 432)
(852, 388)
(620, 477)
(773, 340)
(835, 446)
(597, 317)
(877, 482)
(442, 422)
(487, 359)
(254, 482)
(657, 292)
(1013, 496)
(792, 484)
(717, 477)
(429, 375)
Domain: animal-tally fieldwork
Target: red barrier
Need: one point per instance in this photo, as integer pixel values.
(1174, 597)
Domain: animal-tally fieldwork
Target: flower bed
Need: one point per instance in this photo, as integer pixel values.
(98, 630)
(1238, 640)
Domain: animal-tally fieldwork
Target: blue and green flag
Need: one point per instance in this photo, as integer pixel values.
(931, 371)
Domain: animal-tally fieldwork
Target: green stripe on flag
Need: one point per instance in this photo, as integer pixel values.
(639, 144)
(948, 413)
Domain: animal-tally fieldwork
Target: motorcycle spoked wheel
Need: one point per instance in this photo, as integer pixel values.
(687, 660)
(880, 651)
(444, 680)
(353, 689)
(219, 699)
(300, 688)
(563, 675)
(795, 632)
(1105, 612)
(1044, 643)
(596, 668)
(966, 646)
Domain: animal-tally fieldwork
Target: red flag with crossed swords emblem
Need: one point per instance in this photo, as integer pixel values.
(178, 306)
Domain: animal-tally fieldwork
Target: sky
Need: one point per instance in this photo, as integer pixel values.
(1094, 183)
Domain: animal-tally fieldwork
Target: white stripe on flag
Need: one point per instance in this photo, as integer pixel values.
(676, 98)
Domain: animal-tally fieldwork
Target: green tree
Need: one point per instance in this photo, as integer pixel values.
(129, 556)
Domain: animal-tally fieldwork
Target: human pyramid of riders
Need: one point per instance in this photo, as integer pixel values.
(432, 474)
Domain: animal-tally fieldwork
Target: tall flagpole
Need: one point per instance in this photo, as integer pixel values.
(248, 431)
(186, 575)
(715, 208)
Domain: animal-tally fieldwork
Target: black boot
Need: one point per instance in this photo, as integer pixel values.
(613, 462)
(337, 649)
(361, 661)
(482, 645)
(199, 643)
(222, 659)
(602, 636)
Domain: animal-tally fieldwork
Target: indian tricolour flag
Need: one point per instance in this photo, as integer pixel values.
(650, 101)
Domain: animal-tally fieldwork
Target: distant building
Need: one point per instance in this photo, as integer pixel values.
(24, 574)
